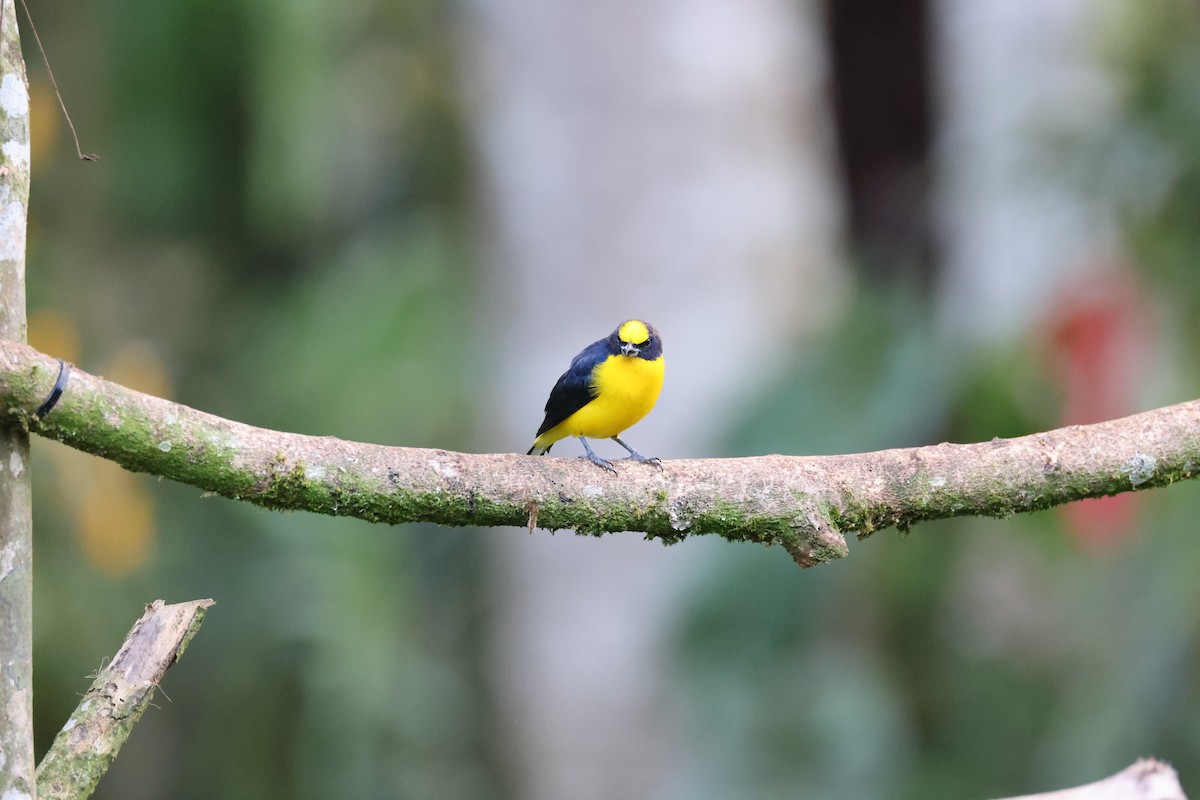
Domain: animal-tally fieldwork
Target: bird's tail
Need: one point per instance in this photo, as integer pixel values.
(539, 450)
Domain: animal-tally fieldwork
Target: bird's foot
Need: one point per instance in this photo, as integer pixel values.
(634, 455)
(653, 461)
(600, 462)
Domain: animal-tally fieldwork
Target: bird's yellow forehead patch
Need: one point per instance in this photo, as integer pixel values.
(634, 331)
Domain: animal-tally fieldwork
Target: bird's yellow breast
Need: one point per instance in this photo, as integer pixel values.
(626, 389)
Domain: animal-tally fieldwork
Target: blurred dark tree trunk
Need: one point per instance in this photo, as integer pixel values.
(881, 99)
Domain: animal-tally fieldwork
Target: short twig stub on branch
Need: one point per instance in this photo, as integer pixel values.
(804, 503)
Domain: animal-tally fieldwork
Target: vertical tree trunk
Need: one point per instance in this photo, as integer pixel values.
(16, 518)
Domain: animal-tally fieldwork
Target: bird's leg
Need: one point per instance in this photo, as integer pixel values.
(636, 456)
(595, 459)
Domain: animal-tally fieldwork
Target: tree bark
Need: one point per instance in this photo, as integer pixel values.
(16, 516)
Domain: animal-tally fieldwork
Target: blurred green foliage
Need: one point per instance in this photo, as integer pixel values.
(1148, 160)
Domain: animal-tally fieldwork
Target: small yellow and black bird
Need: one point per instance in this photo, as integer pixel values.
(609, 387)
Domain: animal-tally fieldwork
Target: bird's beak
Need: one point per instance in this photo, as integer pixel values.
(629, 349)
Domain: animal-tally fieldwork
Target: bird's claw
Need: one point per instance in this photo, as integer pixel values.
(600, 462)
(653, 461)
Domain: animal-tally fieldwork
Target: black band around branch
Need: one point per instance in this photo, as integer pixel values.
(60, 386)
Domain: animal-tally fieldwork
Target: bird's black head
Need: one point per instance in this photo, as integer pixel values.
(636, 339)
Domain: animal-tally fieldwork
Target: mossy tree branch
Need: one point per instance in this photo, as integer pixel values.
(122, 691)
(804, 503)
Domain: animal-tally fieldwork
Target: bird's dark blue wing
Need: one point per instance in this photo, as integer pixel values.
(573, 390)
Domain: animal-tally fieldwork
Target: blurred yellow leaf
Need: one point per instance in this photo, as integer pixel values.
(45, 121)
(53, 332)
(137, 365)
(115, 520)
